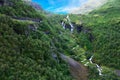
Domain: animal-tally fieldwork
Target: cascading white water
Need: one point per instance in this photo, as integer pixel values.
(98, 67)
(63, 24)
(69, 21)
(72, 27)
(91, 59)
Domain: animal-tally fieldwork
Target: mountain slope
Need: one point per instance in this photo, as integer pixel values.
(33, 44)
(105, 23)
(26, 51)
(99, 36)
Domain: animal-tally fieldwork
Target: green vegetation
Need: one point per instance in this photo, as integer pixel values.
(104, 25)
(19, 9)
(27, 48)
(27, 54)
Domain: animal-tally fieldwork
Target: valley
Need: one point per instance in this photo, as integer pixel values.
(38, 45)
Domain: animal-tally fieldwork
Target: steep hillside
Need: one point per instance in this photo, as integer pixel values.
(25, 45)
(36, 46)
(103, 27)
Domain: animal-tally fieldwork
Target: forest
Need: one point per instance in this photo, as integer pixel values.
(38, 45)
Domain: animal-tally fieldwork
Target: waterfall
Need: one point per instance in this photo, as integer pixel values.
(72, 27)
(91, 60)
(69, 21)
(98, 67)
(63, 24)
(70, 60)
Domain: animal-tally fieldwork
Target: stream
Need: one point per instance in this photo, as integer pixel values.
(97, 66)
(68, 59)
(77, 68)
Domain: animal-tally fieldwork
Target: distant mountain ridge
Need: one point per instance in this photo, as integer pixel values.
(88, 6)
(35, 5)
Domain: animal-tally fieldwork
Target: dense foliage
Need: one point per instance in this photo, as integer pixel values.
(25, 53)
(28, 48)
(104, 24)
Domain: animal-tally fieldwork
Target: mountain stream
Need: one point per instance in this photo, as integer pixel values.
(69, 21)
(90, 60)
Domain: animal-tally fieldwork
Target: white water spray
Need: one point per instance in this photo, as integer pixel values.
(98, 67)
(91, 60)
(71, 25)
(69, 21)
(63, 24)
